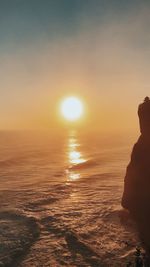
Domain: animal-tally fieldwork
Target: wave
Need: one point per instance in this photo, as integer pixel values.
(75, 243)
(13, 161)
(15, 226)
(87, 164)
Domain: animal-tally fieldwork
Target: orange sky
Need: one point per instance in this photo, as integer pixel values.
(102, 58)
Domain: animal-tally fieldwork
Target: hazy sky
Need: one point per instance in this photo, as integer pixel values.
(97, 50)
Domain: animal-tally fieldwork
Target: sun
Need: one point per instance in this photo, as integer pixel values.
(72, 108)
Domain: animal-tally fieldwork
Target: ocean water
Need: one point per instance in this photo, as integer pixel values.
(60, 200)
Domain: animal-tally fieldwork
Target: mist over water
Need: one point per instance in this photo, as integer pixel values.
(60, 196)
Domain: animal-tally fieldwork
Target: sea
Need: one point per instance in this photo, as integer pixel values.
(60, 200)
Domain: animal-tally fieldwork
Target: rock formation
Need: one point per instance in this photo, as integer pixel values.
(136, 195)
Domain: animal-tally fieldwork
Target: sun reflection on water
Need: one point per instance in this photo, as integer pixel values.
(75, 158)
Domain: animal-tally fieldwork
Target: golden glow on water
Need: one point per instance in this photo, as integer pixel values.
(73, 142)
(74, 176)
(75, 157)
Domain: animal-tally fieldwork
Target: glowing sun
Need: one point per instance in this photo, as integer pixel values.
(72, 108)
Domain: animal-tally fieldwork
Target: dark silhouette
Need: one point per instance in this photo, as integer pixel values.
(144, 117)
(136, 195)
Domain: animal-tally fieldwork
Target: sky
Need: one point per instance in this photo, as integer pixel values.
(97, 50)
